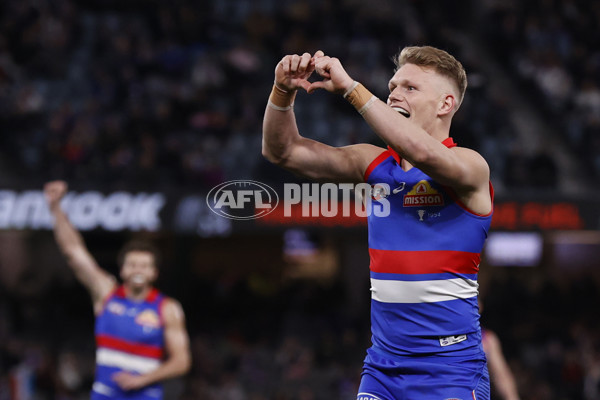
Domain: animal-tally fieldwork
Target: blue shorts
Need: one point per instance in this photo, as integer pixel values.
(426, 378)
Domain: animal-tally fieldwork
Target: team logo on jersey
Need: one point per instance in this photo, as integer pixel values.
(148, 318)
(115, 308)
(380, 191)
(422, 194)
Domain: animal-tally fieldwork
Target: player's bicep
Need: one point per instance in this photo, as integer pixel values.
(175, 333)
(98, 282)
(322, 162)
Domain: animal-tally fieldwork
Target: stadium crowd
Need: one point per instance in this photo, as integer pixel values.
(169, 95)
(145, 95)
(551, 47)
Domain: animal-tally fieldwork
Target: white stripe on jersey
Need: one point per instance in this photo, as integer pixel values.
(128, 362)
(391, 291)
(101, 388)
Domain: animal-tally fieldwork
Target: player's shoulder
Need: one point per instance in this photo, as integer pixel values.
(467, 151)
(360, 156)
(474, 158)
(168, 301)
(171, 308)
(367, 148)
(365, 152)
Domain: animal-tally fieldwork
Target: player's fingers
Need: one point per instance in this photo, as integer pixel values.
(322, 62)
(322, 66)
(285, 64)
(295, 63)
(304, 62)
(315, 86)
(304, 84)
(318, 54)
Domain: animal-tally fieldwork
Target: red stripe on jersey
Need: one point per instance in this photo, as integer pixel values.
(449, 142)
(144, 350)
(424, 262)
(378, 160)
(395, 155)
(152, 295)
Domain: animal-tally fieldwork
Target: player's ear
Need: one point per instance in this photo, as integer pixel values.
(447, 104)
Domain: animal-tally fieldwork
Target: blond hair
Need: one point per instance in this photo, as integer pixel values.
(439, 60)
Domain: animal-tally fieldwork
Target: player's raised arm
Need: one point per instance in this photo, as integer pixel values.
(282, 142)
(98, 282)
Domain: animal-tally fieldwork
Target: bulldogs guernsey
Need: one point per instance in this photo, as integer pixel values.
(129, 337)
(424, 263)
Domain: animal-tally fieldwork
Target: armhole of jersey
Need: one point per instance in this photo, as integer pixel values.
(161, 317)
(378, 160)
(454, 197)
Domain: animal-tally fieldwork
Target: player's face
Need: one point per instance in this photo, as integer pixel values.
(417, 93)
(138, 269)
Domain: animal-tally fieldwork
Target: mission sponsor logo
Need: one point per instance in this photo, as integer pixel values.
(422, 194)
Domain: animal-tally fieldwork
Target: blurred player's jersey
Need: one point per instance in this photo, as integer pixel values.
(424, 262)
(129, 337)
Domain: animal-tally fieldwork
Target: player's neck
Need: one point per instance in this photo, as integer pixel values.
(439, 129)
(137, 293)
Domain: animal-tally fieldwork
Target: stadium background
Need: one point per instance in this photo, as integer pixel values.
(144, 101)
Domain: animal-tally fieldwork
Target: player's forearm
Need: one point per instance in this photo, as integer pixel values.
(170, 368)
(279, 134)
(67, 237)
(412, 143)
(507, 387)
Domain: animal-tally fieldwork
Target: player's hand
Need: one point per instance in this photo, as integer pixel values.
(128, 381)
(293, 71)
(54, 192)
(335, 77)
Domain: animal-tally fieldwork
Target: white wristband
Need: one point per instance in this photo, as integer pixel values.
(280, 88)
(368, 104)
(278, 108)
(351, 88)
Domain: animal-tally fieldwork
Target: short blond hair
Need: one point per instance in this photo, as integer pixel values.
(439, 60)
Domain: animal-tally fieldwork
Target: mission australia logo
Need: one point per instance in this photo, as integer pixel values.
(422, 194)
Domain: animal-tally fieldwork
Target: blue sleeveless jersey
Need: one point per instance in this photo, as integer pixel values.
(129, 337)
(424, 262)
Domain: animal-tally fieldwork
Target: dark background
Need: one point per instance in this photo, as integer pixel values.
(167, 97)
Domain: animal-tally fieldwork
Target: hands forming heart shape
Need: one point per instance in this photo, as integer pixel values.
(293, 72)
